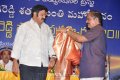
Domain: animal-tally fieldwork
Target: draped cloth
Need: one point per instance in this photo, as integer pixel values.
(67, 55)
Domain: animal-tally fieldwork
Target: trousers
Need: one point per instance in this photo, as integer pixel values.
(32, 72)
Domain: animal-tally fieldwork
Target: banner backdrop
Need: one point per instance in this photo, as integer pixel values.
(67, 13)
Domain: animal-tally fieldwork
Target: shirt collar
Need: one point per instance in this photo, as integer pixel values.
(96, 27)
(33, 22)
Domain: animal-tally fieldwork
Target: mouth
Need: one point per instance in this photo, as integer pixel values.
(43, 19)
(6, 58)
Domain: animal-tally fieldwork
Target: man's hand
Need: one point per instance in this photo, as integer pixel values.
(52, 62)
(75, 61)
(65, 29)
(62, 29)
(15, 67)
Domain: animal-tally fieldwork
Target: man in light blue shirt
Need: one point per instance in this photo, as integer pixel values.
(33, 46)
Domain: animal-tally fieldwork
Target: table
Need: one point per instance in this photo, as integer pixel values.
(6, 75)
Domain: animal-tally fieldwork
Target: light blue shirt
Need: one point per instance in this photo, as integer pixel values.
(33, 44)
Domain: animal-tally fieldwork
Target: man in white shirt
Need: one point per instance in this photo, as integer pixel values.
(5, 59)
(33, 46)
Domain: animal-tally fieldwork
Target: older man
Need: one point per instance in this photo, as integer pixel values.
(5, 59)
(92, 65)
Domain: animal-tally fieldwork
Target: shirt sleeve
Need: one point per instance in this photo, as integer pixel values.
(18, 41)
(51, 40)
(92, 34)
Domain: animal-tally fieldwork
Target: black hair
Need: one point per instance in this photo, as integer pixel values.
(98, 15)
(6, 50)
(38, 8)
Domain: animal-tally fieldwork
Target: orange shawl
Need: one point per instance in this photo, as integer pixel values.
(67, 55)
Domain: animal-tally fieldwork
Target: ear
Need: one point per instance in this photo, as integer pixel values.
(34, 14)
(96, 19)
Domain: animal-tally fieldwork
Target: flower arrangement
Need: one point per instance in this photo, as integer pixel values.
(2, 68)
(50, 74)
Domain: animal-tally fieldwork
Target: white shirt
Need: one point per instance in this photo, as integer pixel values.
(8, 66)
(33, 45)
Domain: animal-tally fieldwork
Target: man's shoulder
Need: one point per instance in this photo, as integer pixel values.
(25, 24)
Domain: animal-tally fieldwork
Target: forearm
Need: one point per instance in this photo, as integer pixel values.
(52, 62)
(15, 61)
(75, 36)
(15, 67)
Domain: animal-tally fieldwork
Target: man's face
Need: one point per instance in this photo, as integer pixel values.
(5, 56)
(41, 17)
(91, 21)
